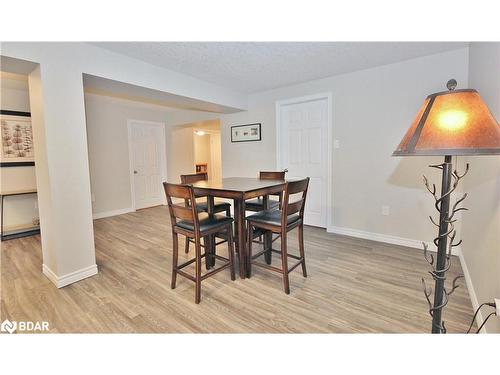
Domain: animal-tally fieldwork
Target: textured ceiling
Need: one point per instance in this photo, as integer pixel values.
(250, 67)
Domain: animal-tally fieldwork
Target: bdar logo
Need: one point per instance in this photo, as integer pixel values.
(8, 326)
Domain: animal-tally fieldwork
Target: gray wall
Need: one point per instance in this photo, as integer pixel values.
(481, 224)
(372, 109)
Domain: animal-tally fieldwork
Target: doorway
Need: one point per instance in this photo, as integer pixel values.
(303, 134)
(148, 164)
(196, 148)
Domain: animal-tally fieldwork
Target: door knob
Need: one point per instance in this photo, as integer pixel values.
(135, 172)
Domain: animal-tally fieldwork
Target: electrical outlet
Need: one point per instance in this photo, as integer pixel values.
(336, 143)
(385, 210)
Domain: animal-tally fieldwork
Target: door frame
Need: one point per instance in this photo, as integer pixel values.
(163, 156)
(329, 164)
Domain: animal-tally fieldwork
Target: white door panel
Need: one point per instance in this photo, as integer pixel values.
(147, 145)
(303, 130)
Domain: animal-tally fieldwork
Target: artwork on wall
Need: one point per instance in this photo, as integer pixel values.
(17, 139)
(246, 133)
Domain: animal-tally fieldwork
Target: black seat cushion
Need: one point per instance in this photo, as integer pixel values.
(257, 232)
(218, 206)
(272, 217)
(207, 222)
(257, 204)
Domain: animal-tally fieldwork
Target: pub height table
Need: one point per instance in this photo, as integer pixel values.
(239, 189)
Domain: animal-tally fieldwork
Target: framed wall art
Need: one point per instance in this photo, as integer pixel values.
(17, 139)
(246, 133)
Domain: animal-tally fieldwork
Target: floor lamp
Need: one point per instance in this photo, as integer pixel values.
(450, 123)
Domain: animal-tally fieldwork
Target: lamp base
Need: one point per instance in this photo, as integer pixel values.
(441, 264)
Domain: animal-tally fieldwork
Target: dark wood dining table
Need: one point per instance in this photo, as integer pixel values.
(239, 189)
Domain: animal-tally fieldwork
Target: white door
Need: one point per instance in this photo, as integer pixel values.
(147, 162)
(303, 150)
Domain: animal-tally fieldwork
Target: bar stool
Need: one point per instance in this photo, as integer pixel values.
(257, 204)
(188, 221)
(187, 179)
(282, 221)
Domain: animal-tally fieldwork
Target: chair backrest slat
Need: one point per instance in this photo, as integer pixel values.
(181, 212)
(263, 175)
(290, 208)
(195, 177)
(299, 186)
(294, 207)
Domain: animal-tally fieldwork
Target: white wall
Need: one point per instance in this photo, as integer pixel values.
(481, 224)
(107, 136)
(181, 155)
(99, 62)
(215, 156)
(202, 150)
(18, 210)
(372, 109)
(62, 168)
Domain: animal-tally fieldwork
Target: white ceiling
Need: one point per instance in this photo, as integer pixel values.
(251, 67)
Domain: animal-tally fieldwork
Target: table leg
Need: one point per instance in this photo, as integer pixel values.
(268, 236)
(239, 216)
(209, 241)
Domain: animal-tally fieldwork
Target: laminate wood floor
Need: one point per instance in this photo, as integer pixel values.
(353, 286)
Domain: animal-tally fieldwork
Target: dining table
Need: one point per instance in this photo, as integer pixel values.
(238, 189)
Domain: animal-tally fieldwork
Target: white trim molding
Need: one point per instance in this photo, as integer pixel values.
(472, 291)
(100, 215)
(329, 163)
(70, 278)
(386, 238)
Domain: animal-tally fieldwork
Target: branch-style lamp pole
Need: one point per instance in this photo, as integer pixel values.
(450, 123)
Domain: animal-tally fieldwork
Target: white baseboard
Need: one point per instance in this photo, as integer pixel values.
(100, 215)
(70, 278)
(472, 291)
(386, 238)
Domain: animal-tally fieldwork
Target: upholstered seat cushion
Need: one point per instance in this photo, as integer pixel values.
(207, 222)
(257, 204)
(257, 232)
(218, 206)
(271, 217)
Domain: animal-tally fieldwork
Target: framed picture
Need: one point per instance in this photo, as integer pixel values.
(246, 133)
(17, 139)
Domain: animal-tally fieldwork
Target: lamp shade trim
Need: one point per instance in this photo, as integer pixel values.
(454, 122)
(450, 92)
(423, 119)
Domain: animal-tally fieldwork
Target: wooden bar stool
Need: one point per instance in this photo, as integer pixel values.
(186, 220)
(219, 206)
(187, 179)
(257, 204)
(282, 221)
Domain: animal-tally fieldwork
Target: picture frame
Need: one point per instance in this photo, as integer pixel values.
(16, 148)
(246, 133)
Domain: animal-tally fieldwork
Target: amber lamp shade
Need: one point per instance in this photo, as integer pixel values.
(452, 123)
